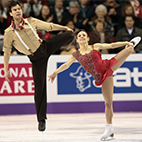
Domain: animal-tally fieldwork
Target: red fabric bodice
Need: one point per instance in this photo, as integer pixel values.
(94, 65)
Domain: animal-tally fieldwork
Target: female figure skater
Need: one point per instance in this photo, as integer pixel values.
(90, 59)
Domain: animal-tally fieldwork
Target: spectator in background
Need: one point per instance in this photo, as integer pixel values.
(136, 4)
(65, 3)
(51, 3)
(87, 12)
(3, 16)
(113, 10)
(113, 4)
(96, 2)
(58, 11)
(4, 4)
(137, 7)
(74, 15)
(45, 2)
(32, 8)
(128, 10)
(86, 9)
(128, 32)
(73, 46)
(99, 35)
(3, 22)
(101, 13)
(68, 50)
(45, 15)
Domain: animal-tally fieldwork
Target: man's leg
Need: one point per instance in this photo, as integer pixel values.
(39, 76)
(58, 41)
(39, 67)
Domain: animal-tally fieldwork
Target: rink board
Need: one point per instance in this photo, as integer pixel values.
(73, 91)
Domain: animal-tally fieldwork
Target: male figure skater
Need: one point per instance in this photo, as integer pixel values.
(23, 36)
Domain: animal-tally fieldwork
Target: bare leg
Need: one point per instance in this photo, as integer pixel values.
(122, 56)
(107, 90)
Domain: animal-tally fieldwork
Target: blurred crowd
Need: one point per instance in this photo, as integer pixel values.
(105, 21)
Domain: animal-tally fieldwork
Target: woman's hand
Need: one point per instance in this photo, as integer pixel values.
(52, 76)
(130, 44)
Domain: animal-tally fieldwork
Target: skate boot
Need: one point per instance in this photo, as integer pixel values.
(108, 132)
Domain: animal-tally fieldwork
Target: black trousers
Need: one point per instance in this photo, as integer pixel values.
(39, 69)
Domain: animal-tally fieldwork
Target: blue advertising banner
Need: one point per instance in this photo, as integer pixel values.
(75, 80)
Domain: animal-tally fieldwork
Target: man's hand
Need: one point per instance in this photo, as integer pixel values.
(7, 75)
(69, 29)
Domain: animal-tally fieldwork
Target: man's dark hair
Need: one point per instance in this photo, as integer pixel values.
(130, 16)
(12, 3)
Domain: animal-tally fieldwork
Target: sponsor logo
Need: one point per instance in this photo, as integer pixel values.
(75, 80)
(21, 81)
(80, 77)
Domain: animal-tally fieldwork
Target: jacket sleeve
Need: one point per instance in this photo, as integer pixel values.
(41, 25)
(7, 42)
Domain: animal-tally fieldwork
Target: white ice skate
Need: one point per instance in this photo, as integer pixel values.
(109, 132)
(136, 40)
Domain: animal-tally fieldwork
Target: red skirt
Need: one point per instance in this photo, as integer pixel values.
(108, 72)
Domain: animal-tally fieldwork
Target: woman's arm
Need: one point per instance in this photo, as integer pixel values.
(61, 68)
(112, 45)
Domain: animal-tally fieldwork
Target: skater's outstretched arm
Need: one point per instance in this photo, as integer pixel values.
(61, 68)
(60, 27)
(111, 45)
(49, 26)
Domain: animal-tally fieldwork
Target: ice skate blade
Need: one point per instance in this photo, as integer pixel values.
(109, 138)
(136, 40)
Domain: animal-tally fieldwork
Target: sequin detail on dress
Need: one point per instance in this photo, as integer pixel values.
(94, 65)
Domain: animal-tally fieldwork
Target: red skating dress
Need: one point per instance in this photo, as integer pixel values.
(94, 65)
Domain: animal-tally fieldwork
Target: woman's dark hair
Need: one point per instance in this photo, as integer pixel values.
(76, 33)
(123, 13)
(42, 9)
(12, 3)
